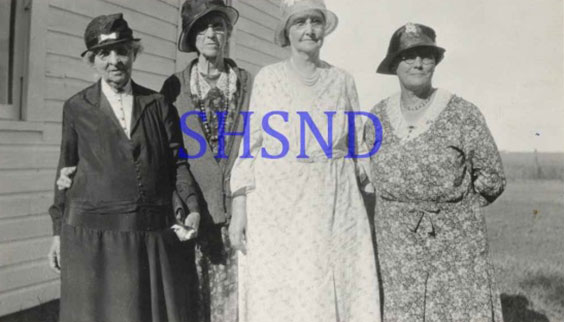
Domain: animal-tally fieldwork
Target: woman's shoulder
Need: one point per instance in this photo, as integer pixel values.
(380, 107)
(465, 109)
(272, 69)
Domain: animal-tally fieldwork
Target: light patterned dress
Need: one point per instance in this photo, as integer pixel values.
(310, 254)
(431, 234)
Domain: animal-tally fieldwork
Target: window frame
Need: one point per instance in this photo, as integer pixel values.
(21, 16)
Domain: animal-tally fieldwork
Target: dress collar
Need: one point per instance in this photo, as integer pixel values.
(110, 92)
(226, 80)
(401, 127)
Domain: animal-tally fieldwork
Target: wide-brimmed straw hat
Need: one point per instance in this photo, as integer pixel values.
(107, 30)
(291, 7)
(409, 36)
(193, 10)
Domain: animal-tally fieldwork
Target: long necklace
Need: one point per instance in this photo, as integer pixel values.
(202, 109)
(308, 80)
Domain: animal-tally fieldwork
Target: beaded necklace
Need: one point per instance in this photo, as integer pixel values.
(307, 79)
(418, 106)
(225, 112)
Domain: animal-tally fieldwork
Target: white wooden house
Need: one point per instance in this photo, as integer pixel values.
(40, 67)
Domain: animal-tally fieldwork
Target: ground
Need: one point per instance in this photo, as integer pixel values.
(525, 228)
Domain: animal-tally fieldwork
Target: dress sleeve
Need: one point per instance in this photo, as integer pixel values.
(243, 171)
(68, 157)
(361, 147)
(185, 183)
(483, 156)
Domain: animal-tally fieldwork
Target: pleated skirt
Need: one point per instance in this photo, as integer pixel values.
(125, 276)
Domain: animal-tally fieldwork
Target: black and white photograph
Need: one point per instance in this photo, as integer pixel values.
(281, 161)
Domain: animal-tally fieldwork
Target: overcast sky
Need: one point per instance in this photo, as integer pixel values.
(506, 56)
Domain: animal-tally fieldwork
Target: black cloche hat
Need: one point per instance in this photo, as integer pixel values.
(192, 10)
(107, 30)
(406, 37)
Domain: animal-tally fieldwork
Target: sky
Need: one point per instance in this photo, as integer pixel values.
(505, 56)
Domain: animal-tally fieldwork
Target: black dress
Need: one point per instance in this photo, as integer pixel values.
(120, 261)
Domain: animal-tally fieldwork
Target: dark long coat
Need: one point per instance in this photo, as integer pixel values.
(120, 260)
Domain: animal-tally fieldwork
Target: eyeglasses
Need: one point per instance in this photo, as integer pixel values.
(427, 57)
(217, 28)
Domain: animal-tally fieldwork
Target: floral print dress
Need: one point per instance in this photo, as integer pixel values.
(431, 179)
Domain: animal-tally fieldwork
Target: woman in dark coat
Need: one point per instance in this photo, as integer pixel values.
(211, 84)
(118, 256)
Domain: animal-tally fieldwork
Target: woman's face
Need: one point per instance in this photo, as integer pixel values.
(416, 67)
(114, 64)
(306, 30)
(211, 35)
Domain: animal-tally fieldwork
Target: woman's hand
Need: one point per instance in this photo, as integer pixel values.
(238, 225)
(65, 178)
(189, 229)
(54, 254)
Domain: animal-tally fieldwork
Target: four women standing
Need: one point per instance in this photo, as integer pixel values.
(298, 216)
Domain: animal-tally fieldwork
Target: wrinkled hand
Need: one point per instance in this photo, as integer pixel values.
(54, 254)
(238, 224)
(189, 229)
(65, 178)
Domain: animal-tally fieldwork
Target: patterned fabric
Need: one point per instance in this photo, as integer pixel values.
(216, 263)
(215, 99)
(310, 255)
(431, 234)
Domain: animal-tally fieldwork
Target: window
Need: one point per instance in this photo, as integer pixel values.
(14, 38)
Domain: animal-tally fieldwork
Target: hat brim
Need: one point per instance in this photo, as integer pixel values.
(331, 23)
(183, 44)
(386, 64)
(108, 43)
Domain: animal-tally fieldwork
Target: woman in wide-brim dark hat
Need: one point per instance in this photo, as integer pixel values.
(211, 84)
(436, 166)
(116, 244)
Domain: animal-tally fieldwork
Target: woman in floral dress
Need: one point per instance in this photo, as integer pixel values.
(297, 212)
(436, 166)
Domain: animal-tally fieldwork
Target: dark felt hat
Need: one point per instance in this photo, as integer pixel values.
(192, 10)
(410, 36)
(107, 30)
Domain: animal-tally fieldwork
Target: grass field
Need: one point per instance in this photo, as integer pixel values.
(526, 232)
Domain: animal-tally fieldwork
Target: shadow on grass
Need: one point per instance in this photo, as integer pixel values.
(549, 287)
(516, 309)
(46, 312)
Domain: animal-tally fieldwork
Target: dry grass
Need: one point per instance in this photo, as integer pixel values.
(526, 232)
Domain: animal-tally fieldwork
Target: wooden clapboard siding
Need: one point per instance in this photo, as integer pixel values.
(26, 297)
(34, 226)
(253, 43)
(26, 250)
(28, 157)
(28, 180)
(25, 204)
(25, 274)
(29, 149)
